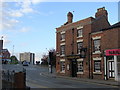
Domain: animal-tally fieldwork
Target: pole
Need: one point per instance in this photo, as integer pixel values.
(13, 49)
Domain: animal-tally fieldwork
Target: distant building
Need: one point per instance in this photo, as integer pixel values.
(1, 44)
(5, 55)
(1, 47)
(27, 56)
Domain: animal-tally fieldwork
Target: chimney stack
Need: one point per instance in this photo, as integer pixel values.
(69, 17)
(101, 12)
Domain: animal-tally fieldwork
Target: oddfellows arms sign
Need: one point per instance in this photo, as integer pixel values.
(112, 52)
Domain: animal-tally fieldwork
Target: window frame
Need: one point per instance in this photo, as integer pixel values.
(96, 45)
(80, 32)
(79, 48)
(97, 69)
(62, 50)
(62, 37)
(80, 66)
(62, 66)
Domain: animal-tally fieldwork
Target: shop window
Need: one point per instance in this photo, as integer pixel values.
(80, 66)
(96, 45)
(62, 52)
(62, 66)
(79, 47)
(79, 33)
(97, 66)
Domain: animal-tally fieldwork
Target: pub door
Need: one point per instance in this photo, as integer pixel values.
(74, 68)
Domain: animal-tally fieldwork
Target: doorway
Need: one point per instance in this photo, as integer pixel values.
(111, 69)
(74, 68)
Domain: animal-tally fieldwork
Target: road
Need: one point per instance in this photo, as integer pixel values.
(36, 78)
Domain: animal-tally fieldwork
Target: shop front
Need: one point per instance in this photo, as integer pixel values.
(112, 64)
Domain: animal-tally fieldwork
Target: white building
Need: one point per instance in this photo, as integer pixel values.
(27, 56)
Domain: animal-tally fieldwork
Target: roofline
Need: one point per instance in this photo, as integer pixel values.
(76, 22)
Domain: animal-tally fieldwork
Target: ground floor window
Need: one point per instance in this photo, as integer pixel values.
(62, 66)
(80, 66)
(97, 66)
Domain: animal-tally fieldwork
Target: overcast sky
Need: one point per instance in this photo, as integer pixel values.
(30, 25)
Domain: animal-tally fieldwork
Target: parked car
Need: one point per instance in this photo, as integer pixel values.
(25, 63)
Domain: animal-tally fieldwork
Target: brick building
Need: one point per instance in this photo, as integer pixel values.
(105, 61)
(5, 55)
(76, 54)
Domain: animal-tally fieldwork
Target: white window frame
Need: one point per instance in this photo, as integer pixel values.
(80, 66)
(62, 50)
(62, 66)
(96, 46)
(99, 70)
(62, 37)
(79, 33)
(78, 48)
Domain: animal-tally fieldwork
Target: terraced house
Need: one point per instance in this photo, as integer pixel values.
(81, 47)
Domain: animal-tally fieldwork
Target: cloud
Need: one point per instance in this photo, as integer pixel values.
(24, 29)
(9, 16)
(16, 13)
(8, 24)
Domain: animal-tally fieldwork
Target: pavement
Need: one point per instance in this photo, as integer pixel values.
(105, 82)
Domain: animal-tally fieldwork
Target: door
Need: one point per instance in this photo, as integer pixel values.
(111, 69)
(74, 68)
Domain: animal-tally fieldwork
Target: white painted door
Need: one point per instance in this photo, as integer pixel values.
(111, 68)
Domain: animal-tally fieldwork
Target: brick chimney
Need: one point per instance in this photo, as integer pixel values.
(101, 12)
(69, 17)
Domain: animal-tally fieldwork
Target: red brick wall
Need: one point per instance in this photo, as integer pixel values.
(110, 39)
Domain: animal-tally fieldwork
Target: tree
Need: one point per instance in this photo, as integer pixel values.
(14, 60)
(37, 62)
(49, 58)
(44, 59)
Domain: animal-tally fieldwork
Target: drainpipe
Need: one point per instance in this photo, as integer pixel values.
(105, 68)
(90, 56)
(116, 68)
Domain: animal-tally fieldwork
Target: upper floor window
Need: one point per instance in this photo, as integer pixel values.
(62, 50)
(79, 33)
(62, 37)
(96, 46)
(79, 47)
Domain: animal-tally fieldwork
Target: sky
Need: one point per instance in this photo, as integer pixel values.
(29, 26)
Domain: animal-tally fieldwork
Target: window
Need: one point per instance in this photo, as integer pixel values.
(96, 45)
(79, 47)
(97, 66)
(80, 66)
(62, 37)
(79, 33)
(62, 52)
(62, 66)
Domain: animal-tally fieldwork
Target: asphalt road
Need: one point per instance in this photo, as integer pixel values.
(36, 79)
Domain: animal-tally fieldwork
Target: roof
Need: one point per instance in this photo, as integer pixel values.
(116, 25)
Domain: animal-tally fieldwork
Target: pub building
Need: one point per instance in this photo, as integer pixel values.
(88, 48)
